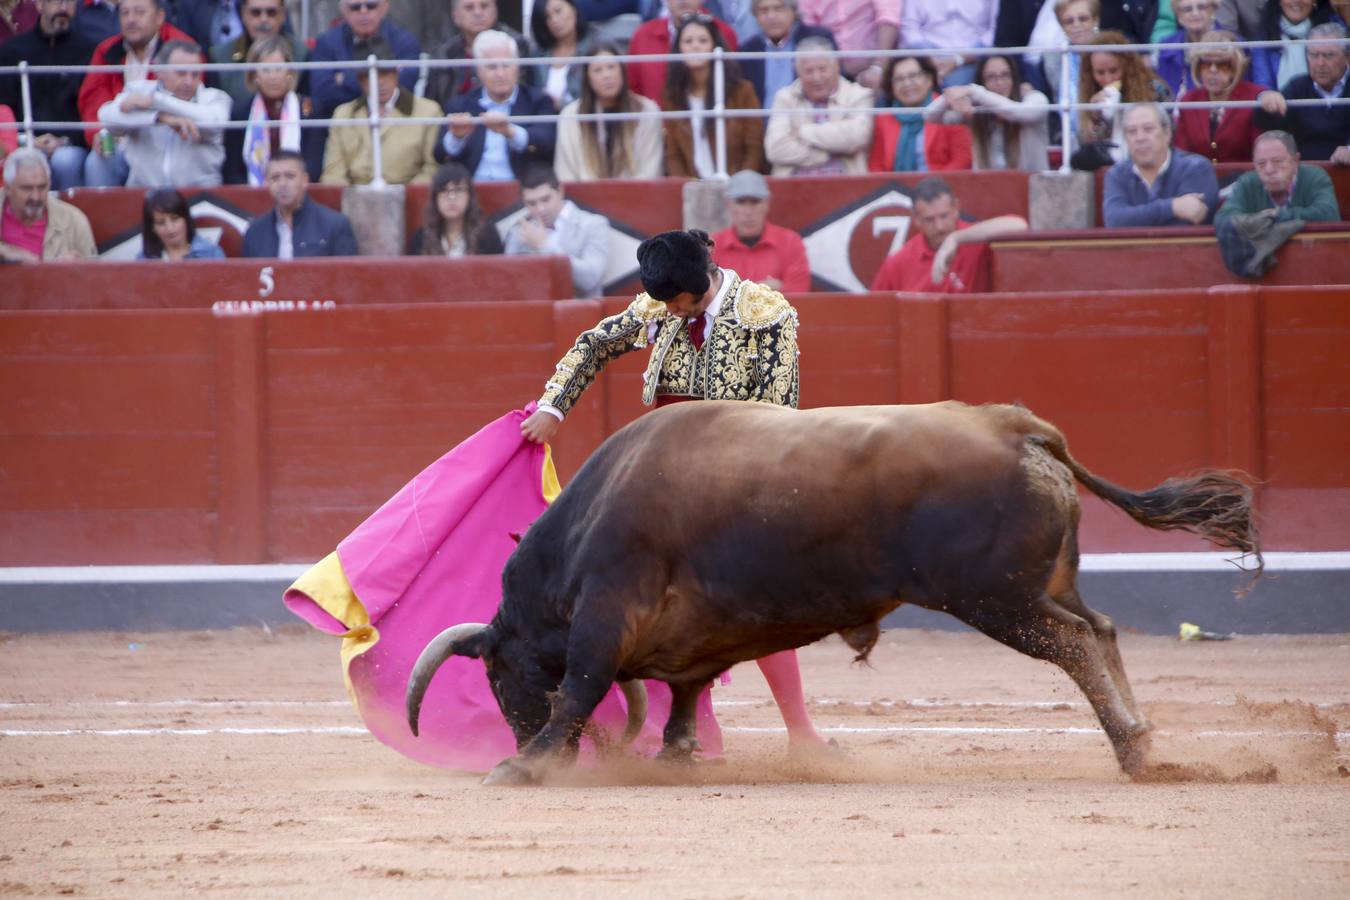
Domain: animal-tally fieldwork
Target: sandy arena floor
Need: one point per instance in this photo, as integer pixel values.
(230, 764)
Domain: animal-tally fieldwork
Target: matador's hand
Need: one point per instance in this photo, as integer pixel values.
(540, 427)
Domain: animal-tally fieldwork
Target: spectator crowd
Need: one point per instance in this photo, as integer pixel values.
(161, 123)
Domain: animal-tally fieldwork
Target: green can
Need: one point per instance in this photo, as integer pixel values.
(107, 144)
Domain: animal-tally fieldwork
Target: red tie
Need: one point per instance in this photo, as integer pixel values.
(696, 328)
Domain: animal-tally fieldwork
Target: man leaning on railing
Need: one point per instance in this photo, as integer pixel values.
(1322, 132)
(171, 126)
(1157, 184)
(479, 133)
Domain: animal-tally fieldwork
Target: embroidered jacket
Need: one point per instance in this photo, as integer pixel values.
(750, 352)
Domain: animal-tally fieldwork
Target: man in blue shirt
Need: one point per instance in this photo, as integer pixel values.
(362, 19)
(1157, 184)
(479, 132)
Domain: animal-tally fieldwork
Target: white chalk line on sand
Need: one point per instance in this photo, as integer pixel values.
(1341, 736)
(917, 702)
(28, 704)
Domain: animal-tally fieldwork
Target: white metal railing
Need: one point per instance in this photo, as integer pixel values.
(719, 113)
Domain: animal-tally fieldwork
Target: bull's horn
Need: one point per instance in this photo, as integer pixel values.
(635, 692)
(441, 648)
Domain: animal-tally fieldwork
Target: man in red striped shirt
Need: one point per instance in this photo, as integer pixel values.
(753, 246)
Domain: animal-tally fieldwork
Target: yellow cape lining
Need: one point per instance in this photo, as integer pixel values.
(328, 586)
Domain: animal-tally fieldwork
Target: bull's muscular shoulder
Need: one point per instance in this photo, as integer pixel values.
(759, 306)
(647, 308)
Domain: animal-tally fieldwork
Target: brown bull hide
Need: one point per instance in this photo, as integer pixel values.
(705, 534)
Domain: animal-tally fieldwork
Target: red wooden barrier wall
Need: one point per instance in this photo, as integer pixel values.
(1148, 258)
(178, 436)
(203, 284)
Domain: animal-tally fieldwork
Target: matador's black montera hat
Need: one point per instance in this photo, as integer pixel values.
(672, 263)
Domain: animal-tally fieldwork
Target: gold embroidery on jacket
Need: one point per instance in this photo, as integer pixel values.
(750, 352)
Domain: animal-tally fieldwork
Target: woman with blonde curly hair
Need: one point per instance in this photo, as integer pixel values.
(1222, 135)
(1114, 78)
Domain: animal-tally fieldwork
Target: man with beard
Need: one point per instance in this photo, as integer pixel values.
(35, 226)
(55, 98)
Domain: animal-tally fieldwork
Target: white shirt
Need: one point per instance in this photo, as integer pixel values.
(703, 158)
(285, 246)
(709, 315)
(137, 66)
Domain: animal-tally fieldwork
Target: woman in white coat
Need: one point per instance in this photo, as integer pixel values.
(587, 151)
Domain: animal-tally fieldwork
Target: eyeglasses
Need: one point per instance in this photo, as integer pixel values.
(368, 6)
(455, 190)
(1193, 8)
(264, 12)
(1221, 65)
(912, 76)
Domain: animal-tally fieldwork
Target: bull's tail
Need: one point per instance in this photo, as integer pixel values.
(1216, 505)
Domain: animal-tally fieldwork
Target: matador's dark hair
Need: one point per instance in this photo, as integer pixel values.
(676, 262)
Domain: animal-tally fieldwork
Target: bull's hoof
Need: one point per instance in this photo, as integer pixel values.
(509, 773)
(682, 751)
(1133, 753)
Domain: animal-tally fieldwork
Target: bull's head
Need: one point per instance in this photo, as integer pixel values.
(522, 686)
(519, 684)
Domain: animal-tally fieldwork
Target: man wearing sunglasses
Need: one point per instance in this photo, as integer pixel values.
(361, 20)
(261, 18)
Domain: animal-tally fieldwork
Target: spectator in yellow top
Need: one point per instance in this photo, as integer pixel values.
(407, 151)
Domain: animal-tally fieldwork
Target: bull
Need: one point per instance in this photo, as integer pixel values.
(706, 534)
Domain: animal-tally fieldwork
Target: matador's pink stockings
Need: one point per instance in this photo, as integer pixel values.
(785, 680)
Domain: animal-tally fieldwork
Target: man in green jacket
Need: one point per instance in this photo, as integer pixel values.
(1281, 185)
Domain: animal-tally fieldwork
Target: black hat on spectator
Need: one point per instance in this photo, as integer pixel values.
(673, 263)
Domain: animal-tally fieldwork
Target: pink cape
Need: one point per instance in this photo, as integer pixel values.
(432, 557)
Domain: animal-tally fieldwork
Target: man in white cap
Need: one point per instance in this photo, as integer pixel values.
(753, 246)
